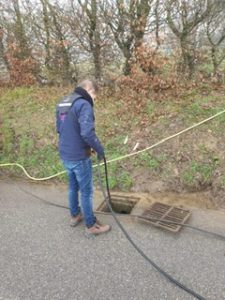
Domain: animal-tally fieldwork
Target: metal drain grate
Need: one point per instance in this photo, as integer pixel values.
(120, 204)
(168, 213)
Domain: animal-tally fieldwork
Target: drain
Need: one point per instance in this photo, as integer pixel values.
(165, 212)
(120, 204)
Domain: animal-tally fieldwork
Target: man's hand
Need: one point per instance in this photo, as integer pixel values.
(90, 152)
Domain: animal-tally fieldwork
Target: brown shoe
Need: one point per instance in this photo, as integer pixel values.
(76, 220)
(97, 228)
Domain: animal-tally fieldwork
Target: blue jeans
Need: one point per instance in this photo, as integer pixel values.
(80, 179)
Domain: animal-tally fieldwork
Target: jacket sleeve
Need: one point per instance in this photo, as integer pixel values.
(87, 127)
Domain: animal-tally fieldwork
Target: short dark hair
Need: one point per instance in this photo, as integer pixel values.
(89, 84)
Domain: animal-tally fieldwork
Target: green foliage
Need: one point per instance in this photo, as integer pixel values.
(222, 180)
(206, 69)
(113, 171)
(41, 162)
(202, 107)
(196, 109)
(125, 180)
(29, 137)
(148, 160)
(150, 108)
(118, 177)
(115, 146)
(112, 175)
(26, 146)
(19, 93)
(8, 137)
(199, 173)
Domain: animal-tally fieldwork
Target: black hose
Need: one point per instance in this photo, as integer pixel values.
(161, 271)
(108, 201)
(107, 198)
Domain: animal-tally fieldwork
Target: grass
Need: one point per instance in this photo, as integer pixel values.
(150, 108)
(222, 180)
(150, 161)
(198, 173)
(28, 129)
(146, 159)
(29, 136)
(118, 177)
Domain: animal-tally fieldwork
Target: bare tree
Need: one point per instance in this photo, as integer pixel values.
(14, 26)
(4, 64)
(127, 20)
(19, 31)
(216, 34)
(46, 28)
(157, 22)
(61, 48)
(89, 29)
(85, 24)
(15, 43)
(49, 28)
(55, 36)
(183, 18)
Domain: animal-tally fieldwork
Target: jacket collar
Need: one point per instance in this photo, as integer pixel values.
(82, 92)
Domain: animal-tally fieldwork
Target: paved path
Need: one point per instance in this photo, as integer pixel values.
(41, 257)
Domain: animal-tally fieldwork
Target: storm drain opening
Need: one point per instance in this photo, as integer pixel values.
(165, 212)
(120, 204)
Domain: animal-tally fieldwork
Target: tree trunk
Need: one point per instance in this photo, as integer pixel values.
(4, 64)
(97, 63)
(188, 59)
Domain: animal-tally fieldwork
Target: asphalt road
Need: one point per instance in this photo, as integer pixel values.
(42, 257)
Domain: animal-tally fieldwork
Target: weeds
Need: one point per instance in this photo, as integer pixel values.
(199, 174)
(28, 135)
(147, 160)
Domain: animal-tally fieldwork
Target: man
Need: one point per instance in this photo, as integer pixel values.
(77, 137)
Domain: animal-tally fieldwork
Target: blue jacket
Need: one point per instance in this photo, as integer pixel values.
(77, 132)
